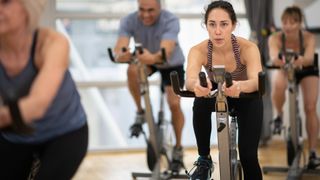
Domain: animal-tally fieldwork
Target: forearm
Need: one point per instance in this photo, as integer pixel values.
(29, 110)
(5, 118)
(307, 61)
(248, 86)
(32, 108)
(190, 83)
(158, 58)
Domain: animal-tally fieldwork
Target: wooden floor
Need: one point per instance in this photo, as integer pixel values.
(120, 165)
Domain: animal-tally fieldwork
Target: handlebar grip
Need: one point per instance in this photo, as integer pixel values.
(175, 82)
(163, 55)
(123, 49)
(280, 56)
(262, 76)
(203, 79)
(228, 78)
(111, 54)
(176, 86)
(139, 48)
(295, 55)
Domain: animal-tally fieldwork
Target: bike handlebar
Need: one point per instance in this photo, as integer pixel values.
(288, 55)
(271, 66)
(185, 93)
(140, 50)
(203, 79)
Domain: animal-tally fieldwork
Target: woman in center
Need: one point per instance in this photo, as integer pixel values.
(242, 59)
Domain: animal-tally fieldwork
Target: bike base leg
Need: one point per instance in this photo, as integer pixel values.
(304, 171)
(274, 169)
(135, 175)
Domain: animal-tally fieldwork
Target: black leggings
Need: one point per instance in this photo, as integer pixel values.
(59, 157)
(249, 115)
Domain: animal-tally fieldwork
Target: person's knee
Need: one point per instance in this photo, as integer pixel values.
(309, 109)
(278, 89)
(132, 72)
(174, 103)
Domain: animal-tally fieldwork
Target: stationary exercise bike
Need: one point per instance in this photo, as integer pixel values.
(294, 139)
(230, 166)
(160, 140)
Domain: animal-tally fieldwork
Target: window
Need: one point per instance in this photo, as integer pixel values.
(92, 26)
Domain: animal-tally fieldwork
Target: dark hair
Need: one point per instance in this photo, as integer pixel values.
(222, 5)
(293, 12)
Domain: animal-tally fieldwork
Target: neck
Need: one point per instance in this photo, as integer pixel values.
(292, 36)
(227, 47)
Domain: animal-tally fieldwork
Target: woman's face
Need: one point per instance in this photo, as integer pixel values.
(290, 26)
(219, 26)
(12, 16)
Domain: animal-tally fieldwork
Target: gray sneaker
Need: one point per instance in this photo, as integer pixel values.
(136, 127)
(314, 161)
(140, 118)
(177, 160)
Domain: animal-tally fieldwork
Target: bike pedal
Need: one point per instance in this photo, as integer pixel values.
(136, 130)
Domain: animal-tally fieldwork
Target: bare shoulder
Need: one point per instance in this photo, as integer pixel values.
(50, 42)
(199, 50)
(246, 45)
(248, 50)
(49, 38)
(308, 36)
(275, 36)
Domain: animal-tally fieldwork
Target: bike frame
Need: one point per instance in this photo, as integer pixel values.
(154, 145)
(223, 131)
(226, 131)
(295, 170)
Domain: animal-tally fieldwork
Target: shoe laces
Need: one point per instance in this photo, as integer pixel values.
(277, 125)
(177, 154)
(140, 118)
(201, 166)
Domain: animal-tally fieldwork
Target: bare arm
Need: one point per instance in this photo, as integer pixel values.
(169, 39)
(274, 50)
(308, 56)
(53, 62)
(152, 58)
(251, 56)
(196, 59)
(122, 42)
(169, 46)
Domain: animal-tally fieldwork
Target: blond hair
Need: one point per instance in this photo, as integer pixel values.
(34, 9)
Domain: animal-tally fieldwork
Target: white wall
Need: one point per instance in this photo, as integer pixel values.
(310, 9)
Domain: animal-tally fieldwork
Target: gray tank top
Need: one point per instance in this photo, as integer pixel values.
(65, 114)
(240, 73)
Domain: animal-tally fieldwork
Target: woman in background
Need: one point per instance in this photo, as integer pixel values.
(294, 37)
